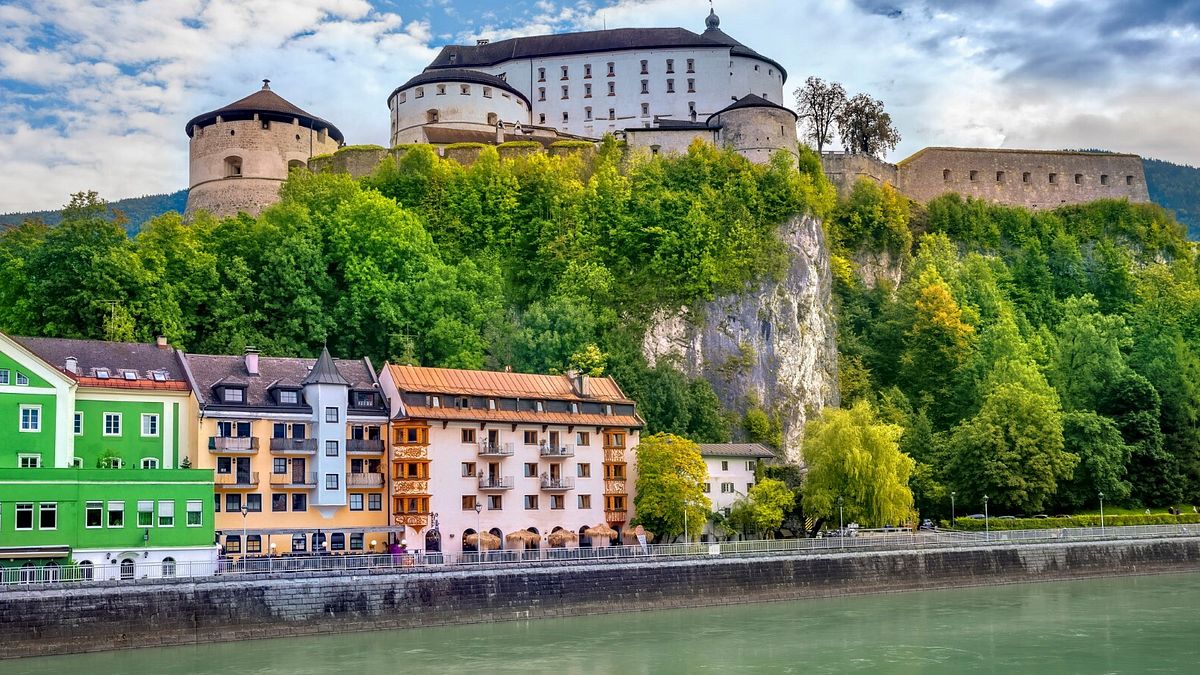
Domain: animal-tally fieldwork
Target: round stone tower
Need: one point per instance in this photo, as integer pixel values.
(241, 154)
(756, 128)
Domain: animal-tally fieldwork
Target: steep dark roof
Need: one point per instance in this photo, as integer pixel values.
(611, 40)
(674, 125)
(267, 105)
(209, 370)
(458, 75)
(713, 32)
(324, 372)
(751, 101)
(735, 450)
(143, 359)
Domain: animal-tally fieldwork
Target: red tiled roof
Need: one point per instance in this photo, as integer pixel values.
(522, 416)
(502, 384)
(119, 383)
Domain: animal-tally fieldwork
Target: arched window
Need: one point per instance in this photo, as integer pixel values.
(28, 573)
(50, 571)
(337, 541)
(149, 463)
(168, 567)
(127, 568)
(295, 164)
(945, 174)
(431, 116)
(233, 167)
(87, 571)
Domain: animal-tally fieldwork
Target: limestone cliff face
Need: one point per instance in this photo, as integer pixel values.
(774, 344)
(873, 267)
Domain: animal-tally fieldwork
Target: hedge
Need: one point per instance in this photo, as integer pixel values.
(572, 144)
(359, 148)
(977, 524)
(520, 144)
(460, 146)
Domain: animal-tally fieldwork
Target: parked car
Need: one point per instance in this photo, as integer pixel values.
(976, 516)
(927, 524)
(1041, 515)
(1007, 518)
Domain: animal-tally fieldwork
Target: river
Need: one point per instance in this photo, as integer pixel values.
(1124, 625)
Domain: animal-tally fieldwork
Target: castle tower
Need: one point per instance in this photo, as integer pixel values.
(756, 128)
(241, 154)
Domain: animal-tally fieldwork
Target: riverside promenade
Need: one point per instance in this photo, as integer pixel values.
(63, 617)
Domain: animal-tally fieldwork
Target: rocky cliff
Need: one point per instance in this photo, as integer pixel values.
(773, 346)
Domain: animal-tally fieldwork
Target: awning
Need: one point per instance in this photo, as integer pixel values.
(24, 552)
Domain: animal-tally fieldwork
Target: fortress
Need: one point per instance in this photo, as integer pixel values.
(657, 89)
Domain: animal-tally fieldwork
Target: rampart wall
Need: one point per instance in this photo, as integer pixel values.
(119, 615)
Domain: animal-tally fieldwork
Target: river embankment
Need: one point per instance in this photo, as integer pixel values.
(69, 618)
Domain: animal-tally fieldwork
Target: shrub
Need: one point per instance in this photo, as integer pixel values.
(977, 525)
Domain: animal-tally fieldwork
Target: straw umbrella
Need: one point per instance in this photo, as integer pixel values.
(524, 536)
(486, 541)
(562, 537)
(631, 535)
(601, 531)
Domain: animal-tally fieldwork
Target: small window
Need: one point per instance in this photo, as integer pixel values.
(1104, 179)
(166, 512)
(491, 404)
(645, 67)
(583, 470)
(645, 86)
(973, 176)
(645, 110)
(946, 174)
(94, 515)
(4, 374)
(612, 113)
(756, 68)
(266, 124)
(611, 69)
(279, 466)
(356, 541)
(531, 469)
(331, 481)
(299, 503)
(279, 503)
(495, 503)
(724, 465)
(585, 501)
(565, 117)
(159, 375)
(254, 543)
(299, 543)
(691, 65)
(1079, 179)
(112, 424)
(441, 89)
(691, 85)
(462, 402)
(541, 93)
(233, 543)
(149, 425)
(531, 438)
(233, 167)
(493, 119)
(587, 90)
(587, 114)
(195, 513)
(149, 463)
(331, 448)
(289, 397)
(587, 70)
(566, 92)
(487, 92)
(468, 502)
(1053, 178)
(374, 502)
(76, 462)
(24, 516)
(468, 435)
(29, 461)
(364, 399)
(564, 73)
(337, 541)
(557, 502)
(541, 75)
(1128, 181)
(464, 89)
(331, 414)
(145, 514)
(670, 65)
(129, 374)
(435, 401)
(356, 501)
(612, 89)
(582, 438)
(234, 395)
(574, 408)
(670, 86)
(531, 502)
(1026, 177)
(420, 92)
(431, 116)
(23, 380)
(541, 118)
(999, 176)
(48, 516)
(31, 418)
(706, 488)
(101, 374)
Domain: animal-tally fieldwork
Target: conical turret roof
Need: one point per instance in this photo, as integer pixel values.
(324, 372)
(267, 105)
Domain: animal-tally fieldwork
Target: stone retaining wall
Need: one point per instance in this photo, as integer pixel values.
(55, 620)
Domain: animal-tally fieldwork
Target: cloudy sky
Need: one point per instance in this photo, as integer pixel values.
(95, 93)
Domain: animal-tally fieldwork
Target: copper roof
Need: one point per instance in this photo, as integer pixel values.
(522, 416)
(503, 384)
(266, 104)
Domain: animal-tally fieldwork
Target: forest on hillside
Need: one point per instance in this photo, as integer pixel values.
(132, 212)
(1038, 357)
(1176, 187)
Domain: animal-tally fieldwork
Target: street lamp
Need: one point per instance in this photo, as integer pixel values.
(1102, 513)
(478, 531)
(841, 525)
(952, 494)
(987, 532)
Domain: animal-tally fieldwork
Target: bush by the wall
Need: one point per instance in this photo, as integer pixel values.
(977, 525)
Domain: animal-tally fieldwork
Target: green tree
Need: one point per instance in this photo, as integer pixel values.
(768, 502)
(936, 345)
(851, 454)
(670, 481)
(1103, 456)
(1088, 353)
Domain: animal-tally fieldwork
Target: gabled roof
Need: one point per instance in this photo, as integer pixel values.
(735, 450)
(458, 75)
(210, 370)
(324, 372)
(144, 360)
(503, 384)
(269, 105)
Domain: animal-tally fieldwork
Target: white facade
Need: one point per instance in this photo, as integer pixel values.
(729, 479)
(453, 103)
(149, 563)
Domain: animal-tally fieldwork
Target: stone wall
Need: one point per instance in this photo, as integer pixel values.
(38, 621)
(843, 169)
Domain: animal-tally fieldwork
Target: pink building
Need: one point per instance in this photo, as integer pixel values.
(504, 452)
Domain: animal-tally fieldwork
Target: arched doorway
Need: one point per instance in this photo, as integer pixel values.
(584, 540)
(533, 550)
(86, 571)
(127, 568)
(168, 567)
(466, 546)
(433, 541)
(28, 573)
(50, 572)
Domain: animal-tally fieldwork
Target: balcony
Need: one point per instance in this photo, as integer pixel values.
(370, 480)
(229, 445)
(615, 515)
(294, 480)
(556, 484)
(236, 480)
(496, 483)
(557, 451)
(496, 449)
(294, 446)
(364, 446)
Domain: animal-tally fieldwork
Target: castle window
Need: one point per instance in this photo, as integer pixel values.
(611, 69)
(587, 70)
(670, 65)
(1079, 179)
(441, 89)
(420, 92)
(670, 86)
(691, 65)
(403, 97)
(564, 117)
(564, 73)
(1053, 179)
(946, 174)
(973, 176)
(321, 136)
(612, 88)
(487, 92)
(645, 67)
(645, 110)
(692, 110)
(233, 167)
(756, 68)
(541, 118)
(770, 71)
(266, 124)
(612, 113)
(1129, 180)
(587, 90)
(232, 132)
(431, 116)
(1025, 177)
(654, 149)
(566, 92)
(493, 119)
(645, 86)
(1104, 179)
(541, 75)
(691, 85)
(541, 93)
(587, 114)
(999, 176)
(464, 89)
(297, 136)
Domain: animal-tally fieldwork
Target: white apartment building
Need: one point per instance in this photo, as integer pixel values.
(731, 470)
(499, 452)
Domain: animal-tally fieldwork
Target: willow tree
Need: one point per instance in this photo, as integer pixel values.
(670, 481)
(854, 456)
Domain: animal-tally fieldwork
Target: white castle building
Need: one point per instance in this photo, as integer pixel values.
(659, 87)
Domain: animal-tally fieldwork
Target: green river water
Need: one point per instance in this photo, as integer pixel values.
(1125, 625)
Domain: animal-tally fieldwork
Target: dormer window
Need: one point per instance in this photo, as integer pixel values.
(159, 375)
(608, 409)
(129, 374)
(102, 373)
(491, 404)
(463, 402)
(435, 401)
(364, 399)
(538, 406)
(575, 408)
(233, 395)
(289, 397)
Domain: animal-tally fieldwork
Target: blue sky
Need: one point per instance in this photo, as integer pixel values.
(95, 93)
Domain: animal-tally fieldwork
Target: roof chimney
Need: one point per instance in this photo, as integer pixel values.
(481, 42)
(251, 360)
(161, 341)
(72, 365)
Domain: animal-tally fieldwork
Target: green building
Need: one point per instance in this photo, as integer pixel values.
(92, 435)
